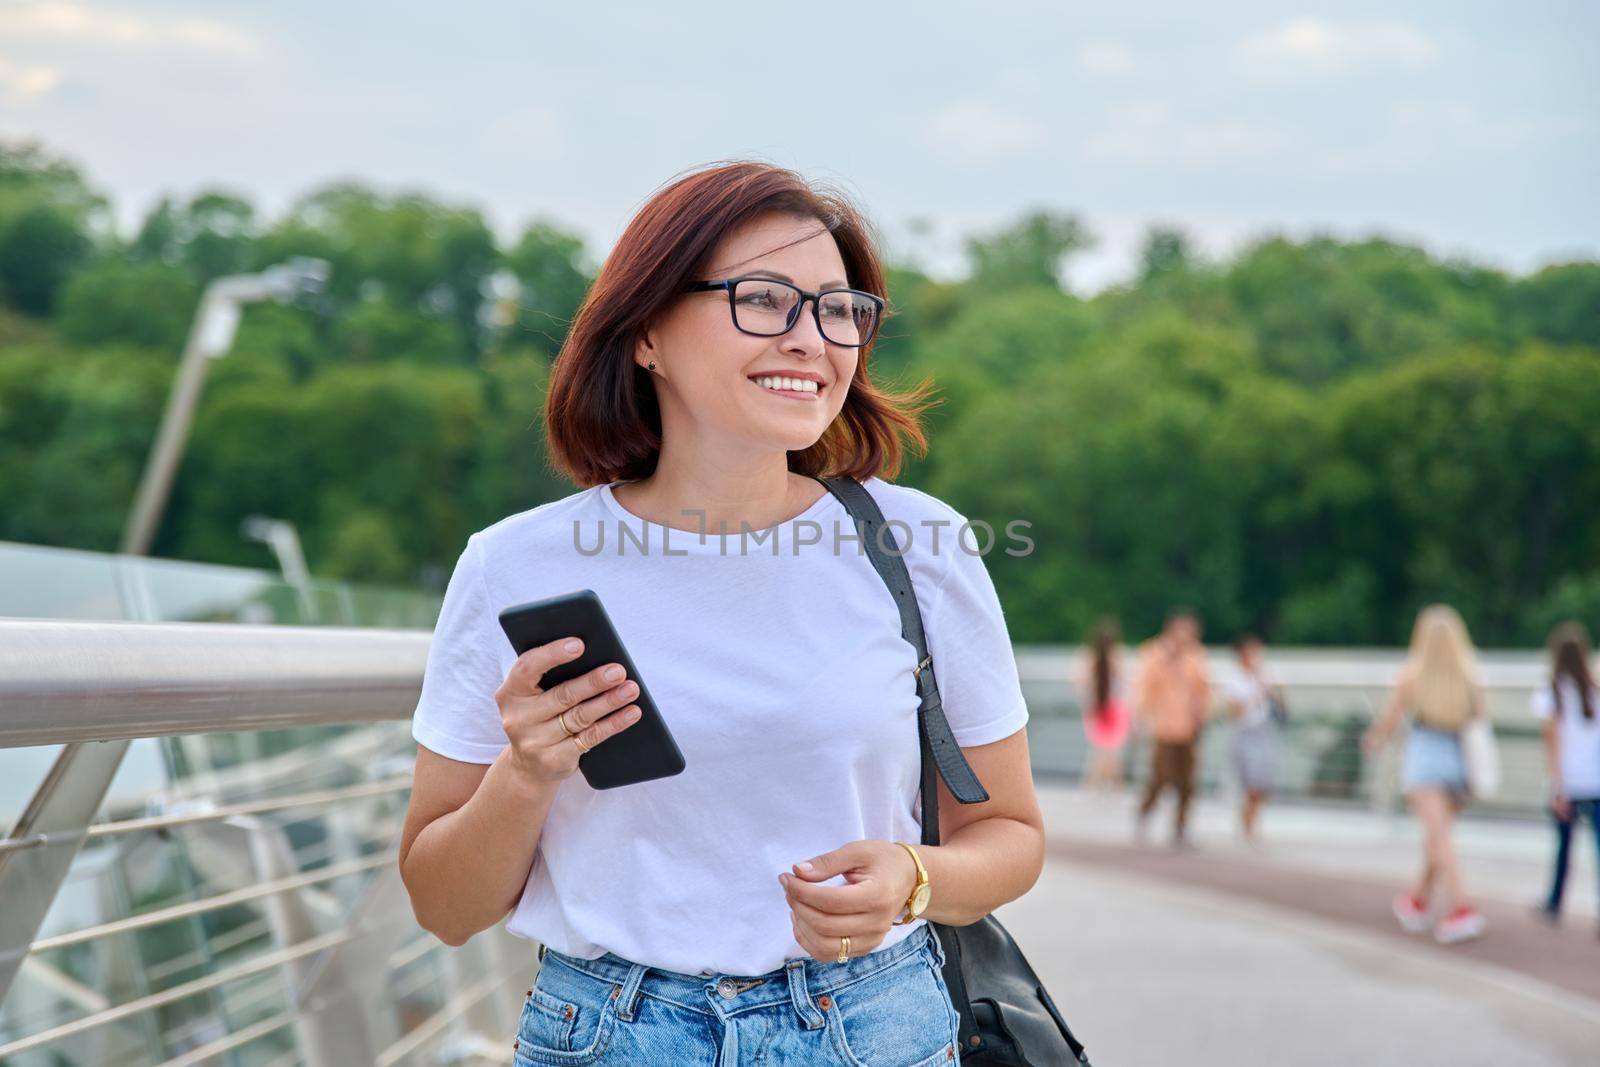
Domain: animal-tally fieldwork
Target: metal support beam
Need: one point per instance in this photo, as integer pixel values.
(65, 801)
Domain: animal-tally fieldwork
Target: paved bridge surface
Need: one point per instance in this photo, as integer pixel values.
(1285, 953)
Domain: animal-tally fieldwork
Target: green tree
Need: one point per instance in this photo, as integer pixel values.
(1166, 251)
(1322, 309)
(1560, 304)
(75, 427)
(48, 222)
(1481, 472)
(212, 234)
(411, 250)
(555, 273)
(118, 302)
(1031, 252)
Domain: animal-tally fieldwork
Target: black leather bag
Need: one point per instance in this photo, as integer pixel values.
(1007, 1018)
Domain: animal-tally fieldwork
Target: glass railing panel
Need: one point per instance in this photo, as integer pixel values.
(44, 582)
(57, 583)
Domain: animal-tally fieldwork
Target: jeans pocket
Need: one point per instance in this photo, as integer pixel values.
(899, 1017)
(567, 1019)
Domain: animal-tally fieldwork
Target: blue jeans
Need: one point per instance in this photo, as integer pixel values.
(889, 1008)
(1558, 882)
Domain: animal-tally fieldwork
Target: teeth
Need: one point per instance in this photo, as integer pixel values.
(797, 384)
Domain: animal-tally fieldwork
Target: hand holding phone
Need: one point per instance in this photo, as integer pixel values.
(552, 682)
(542, 723)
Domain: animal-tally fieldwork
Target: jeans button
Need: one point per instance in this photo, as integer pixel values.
(726, 988)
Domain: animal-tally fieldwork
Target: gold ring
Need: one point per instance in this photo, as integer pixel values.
(562, 719)
(844, 950)
(581, 746)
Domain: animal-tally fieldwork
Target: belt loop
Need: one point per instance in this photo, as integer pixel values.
(628, 998)
(800, 993)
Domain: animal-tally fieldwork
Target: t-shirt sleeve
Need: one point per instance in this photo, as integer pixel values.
(456, 715)
(1542, 703)
(973, 661)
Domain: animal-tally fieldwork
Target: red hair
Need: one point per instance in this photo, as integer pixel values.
(602, 421)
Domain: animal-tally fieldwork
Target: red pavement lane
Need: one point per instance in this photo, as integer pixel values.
(1567, 956)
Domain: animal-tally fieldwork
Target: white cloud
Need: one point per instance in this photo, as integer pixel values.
(24, 82)
(69, 23)
(1312, 46)
(1105, 58)
(1146, 133)
(973, 132)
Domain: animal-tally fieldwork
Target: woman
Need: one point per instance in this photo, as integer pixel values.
(1255, 740)
(1106, 719)
(757, 902)
(1570, 709)
(1439, 686)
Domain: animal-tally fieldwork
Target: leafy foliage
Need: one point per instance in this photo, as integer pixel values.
(1310, 439)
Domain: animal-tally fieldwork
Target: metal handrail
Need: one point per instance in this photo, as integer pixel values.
(99, 681)
(62, 682)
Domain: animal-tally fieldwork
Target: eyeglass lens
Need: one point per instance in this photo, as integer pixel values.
(768, 307)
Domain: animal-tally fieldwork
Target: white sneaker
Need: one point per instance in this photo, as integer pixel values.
(1463, 924)
(1413, 916)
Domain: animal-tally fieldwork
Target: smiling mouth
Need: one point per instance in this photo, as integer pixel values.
(794, 388)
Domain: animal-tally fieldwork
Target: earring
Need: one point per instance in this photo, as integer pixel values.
(652, 365)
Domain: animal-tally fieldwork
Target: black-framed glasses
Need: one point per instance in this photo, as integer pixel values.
(767, 307)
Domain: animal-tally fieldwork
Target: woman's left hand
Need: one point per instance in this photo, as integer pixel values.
(879, 876)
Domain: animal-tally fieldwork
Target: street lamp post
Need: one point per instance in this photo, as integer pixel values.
(281, 536)
(210, 337)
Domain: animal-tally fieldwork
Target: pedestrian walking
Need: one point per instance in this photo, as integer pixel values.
(1256, 704)
(1106, 719)
(1569, 708)
(1439, 689)
(1172, 698)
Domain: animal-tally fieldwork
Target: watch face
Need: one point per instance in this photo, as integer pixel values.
(919, 899)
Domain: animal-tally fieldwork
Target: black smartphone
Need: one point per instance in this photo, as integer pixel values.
(644, 751)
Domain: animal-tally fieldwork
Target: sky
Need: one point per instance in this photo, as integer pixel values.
(1470, 128)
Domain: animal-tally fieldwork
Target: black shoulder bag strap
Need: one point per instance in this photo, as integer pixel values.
(938, 743)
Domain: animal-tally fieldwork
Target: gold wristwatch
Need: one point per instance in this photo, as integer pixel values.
(917, 902)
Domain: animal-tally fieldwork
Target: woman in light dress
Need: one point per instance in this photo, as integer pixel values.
(1251, 699)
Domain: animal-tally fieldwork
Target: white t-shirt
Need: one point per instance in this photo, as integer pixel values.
(1578, 738)
(783, 678)
(1253, 692)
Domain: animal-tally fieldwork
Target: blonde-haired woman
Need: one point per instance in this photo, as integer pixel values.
(1440, 686)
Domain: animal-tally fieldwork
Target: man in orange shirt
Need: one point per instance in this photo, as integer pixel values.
(1171, 698)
